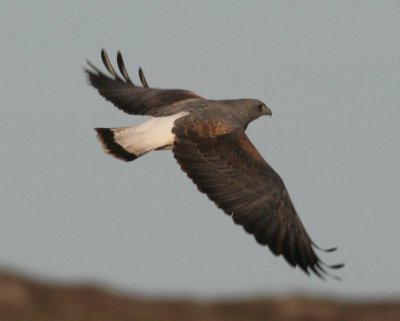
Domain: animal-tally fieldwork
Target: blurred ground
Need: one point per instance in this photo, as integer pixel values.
(24, 299)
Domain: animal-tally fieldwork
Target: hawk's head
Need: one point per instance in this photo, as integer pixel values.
(251, 109)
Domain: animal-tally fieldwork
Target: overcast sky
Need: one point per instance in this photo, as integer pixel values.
(330, 72)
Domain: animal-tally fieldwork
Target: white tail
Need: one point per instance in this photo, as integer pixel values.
(128, 143)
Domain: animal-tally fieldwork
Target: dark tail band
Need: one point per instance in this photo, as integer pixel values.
(106, 137)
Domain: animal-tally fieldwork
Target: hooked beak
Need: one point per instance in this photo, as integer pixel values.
(268, 111)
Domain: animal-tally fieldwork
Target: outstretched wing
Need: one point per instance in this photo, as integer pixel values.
(132, 99)
(234, 175)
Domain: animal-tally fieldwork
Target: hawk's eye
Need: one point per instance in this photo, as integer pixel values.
(260, 108)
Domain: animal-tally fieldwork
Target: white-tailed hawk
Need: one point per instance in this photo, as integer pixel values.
(208, 139)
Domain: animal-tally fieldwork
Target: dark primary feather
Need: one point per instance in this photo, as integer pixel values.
(229, 169)
(132, 99)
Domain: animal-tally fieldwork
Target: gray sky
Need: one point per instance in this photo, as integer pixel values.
(329, 70)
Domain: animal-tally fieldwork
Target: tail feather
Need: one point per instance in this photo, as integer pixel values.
(128, 143)
(110, 146)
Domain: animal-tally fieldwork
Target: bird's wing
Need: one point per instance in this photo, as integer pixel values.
(229, 169)
(133, 99)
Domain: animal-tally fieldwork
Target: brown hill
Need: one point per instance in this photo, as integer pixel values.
(23, 299)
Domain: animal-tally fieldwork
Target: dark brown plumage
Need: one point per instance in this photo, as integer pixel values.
(209, 142)
(133, 99)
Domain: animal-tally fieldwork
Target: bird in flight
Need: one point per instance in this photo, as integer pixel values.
(208, 140)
